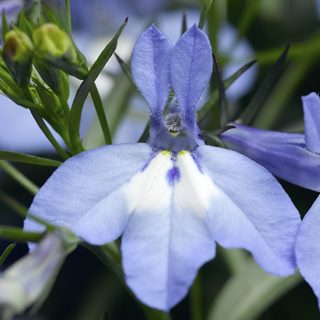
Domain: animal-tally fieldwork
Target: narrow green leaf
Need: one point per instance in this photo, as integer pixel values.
(222, 101)
(249, 293)
(5, 25)
(16, 234)
(26, 158)
(6, 253)
(184, 23)
(19, 177)
(261, 94)
(97, 102)
(126, 70)
(85, 88)
(46, 131)
(206, 5)
(22, 211)
(116, 104)
(276, 102)
(210, 104)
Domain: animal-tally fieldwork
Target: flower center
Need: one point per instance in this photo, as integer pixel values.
(173, 123)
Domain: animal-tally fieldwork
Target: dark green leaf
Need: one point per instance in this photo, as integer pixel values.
(26, 158)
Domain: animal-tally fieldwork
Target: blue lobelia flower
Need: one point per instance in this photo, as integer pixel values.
(308, 248)
(172, 198)
(291, 156)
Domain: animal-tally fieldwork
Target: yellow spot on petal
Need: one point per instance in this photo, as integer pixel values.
(183, 152)
(166, 153)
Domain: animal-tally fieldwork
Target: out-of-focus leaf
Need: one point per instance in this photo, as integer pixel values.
(211, 103)
(206, 5)
(26, 158)
(248, 15)
(116, 104)
(266, 86)
(102, 253)
(286, 86)
(19, 177)
(249, 293)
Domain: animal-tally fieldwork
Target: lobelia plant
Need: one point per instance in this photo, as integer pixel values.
(172, 198)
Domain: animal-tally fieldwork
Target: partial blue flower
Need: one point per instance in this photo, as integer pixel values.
(173, 198)
(308, 248)
(291, 156)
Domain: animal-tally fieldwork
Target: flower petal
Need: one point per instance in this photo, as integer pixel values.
(166, 241)
(250, 209)
(308, 248)
(150, 68)
(311, 108)
(283, 154)
(191, 68)
(83, 185)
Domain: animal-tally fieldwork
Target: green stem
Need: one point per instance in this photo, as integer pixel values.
(100, 113)
(13, 204)
(44, 128)
(19, 177)
(68, 16)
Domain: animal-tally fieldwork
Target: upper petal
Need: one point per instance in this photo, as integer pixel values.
(250, 209)
(308, 248)
(150, 68)
(283, 154)
(81, 194)
(166, 240)
(311, 108)
(191, 68)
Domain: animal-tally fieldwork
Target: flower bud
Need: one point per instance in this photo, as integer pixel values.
(29, 280)
(17, 54)
(52, 43)
(17, 47)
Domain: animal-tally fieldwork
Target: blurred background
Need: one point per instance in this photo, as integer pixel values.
(240, 31)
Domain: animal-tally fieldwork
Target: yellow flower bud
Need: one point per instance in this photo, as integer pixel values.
(52, 42)
(17, 47)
